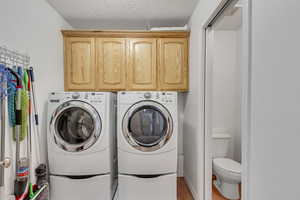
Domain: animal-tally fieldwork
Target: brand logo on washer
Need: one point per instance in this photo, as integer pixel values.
(54, 100)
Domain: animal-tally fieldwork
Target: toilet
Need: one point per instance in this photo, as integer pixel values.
(227, 171)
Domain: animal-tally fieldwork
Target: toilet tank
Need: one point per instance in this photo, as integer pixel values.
(220, 144)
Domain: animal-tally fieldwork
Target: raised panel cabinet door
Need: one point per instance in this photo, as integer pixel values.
(79, 64)
(173, 64)
(111, 63)
(141, 70)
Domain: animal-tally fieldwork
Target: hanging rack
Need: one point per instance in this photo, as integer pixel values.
(11, 59)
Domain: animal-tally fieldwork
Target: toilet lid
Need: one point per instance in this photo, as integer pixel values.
(228, 164)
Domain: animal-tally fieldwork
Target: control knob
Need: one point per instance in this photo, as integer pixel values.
(75, 95)
(147, 95)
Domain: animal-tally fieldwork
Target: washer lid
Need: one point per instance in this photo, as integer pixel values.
(228, 164)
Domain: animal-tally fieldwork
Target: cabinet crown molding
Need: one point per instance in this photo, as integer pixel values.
(125, 34)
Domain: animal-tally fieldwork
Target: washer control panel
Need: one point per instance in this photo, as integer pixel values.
(168, 97)
(93, 97)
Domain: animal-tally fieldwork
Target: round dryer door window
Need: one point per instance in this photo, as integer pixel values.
(147, 126)
(76, 126)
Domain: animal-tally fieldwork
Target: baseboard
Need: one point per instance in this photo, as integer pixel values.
(192, 188)
(180, 171)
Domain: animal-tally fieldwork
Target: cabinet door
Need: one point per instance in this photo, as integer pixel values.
(141, 70)
(111, 64)
(173, 64)
(79, 64)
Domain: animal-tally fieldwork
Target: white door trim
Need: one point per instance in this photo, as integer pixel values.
(246, 97)
(209, 35)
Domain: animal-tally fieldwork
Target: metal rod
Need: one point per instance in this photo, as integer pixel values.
(2, 138)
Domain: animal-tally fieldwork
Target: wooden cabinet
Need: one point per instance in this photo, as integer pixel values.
(111, 64)
(173, 64)
(141, 68)
(127, 60)
(79, 64)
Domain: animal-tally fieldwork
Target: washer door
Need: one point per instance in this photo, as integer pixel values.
(147, 126)
(76, 126)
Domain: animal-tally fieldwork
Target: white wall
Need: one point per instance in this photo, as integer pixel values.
(193, 142)
(33, 27)
(275, 100)
(180, 169)
(237, 155)
(226, 89)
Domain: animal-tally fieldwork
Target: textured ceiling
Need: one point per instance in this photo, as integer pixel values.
(129, 14)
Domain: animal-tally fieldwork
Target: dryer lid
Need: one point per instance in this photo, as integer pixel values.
(228, 164)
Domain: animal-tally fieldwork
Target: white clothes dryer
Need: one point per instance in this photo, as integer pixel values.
(147, 133)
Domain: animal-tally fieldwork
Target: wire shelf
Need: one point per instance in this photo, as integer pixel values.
(13, 58)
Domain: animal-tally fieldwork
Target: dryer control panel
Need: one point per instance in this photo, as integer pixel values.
(162, 97)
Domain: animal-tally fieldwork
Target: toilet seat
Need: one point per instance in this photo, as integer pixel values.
(226, 164)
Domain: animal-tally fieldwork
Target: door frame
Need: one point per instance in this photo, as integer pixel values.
(245, 98)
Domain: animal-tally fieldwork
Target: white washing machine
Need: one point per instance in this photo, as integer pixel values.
(82, 145)
(147, 145)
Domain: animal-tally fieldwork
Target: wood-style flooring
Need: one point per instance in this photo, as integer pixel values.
(183, 192)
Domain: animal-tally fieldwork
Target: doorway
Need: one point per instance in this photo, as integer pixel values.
(224, 103)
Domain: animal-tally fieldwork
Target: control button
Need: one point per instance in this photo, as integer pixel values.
(75, 95)
(147, 95)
